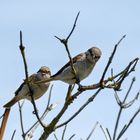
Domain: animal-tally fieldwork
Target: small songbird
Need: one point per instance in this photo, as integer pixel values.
(83, 65)
(23, 91)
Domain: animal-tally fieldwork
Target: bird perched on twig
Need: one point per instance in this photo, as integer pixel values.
(83, 65)
(23, 91)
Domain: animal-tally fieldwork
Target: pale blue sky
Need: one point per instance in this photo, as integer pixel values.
(101, 23)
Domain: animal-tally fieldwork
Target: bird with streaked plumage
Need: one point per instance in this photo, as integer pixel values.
(23, 91)
(83, 64)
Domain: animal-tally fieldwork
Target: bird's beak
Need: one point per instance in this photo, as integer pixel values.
(43, 73)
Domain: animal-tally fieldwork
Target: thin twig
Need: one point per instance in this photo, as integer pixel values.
(55, 136)
(65, 43)
(12, 138)
(64, 131)
(74, 25)
(121, 108)
(109, 79)
(108, 134)
(95, 86)
(22, 49)
(51, 127)
(104, 132)
(71, 137)
(1, 116)
(129, 123)
(111, 58)
(30, 132)
(21, 120)
(93, 129)
(49, 99)
(80, 109)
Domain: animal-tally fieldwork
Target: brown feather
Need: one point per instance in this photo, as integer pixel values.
(10, 103)
(74, 60)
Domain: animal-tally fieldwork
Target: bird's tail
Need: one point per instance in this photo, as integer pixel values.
(45, 81)
(11, 103)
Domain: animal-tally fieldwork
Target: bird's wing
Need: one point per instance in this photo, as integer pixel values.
(31, 79)
(79, 57)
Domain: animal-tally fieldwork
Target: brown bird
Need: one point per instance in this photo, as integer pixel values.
(83, 64)
(23, 91)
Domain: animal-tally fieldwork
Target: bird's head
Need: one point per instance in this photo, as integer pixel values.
(93, 54)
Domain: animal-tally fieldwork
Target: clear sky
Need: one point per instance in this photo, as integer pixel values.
(101, 23)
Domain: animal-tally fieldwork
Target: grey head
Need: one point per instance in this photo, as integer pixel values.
(44, 70)
(93, 54)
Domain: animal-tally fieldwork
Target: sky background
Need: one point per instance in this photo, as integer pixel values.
(101, 23)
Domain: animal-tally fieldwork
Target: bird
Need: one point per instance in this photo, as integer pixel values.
(83, 64)
(23, 91)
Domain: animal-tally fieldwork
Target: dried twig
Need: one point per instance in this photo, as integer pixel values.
(12, 138)
(80, 109)
(51, 127)
(93, 129)
(130, 68)
(30, 132)
(21, 120)
(64, 131)
(111, 58)
(71, 137)
(121, 108)
(129, 123)
(65, 43)
(22, 49)
(108, 134)
(1, 116)
(104, 132)
(55, 136)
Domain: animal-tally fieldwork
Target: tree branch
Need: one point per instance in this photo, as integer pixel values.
(65, 43)
(22, 49)
(111, 58)
(121, 108)
(21, 119)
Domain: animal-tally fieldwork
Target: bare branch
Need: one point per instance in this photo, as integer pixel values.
(12, 138)
(55, 136)
(129, 123)
(21, 120)
(117, 98)
(104, 132)
(108, 134)
(22, 49)
(49, 99)
(109, 79)
(71, 137)
(1, 116)
(63, 134)
(65, 43)
(74, 25)
(121, 105)
(51, 127)
(111, 58)
(30, 132)
(130, 103)
(80, 109)
(93, 129)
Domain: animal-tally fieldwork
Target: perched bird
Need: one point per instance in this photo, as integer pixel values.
(23, 91)
(83, 65)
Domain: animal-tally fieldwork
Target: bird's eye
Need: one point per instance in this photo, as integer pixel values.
(96, 57)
